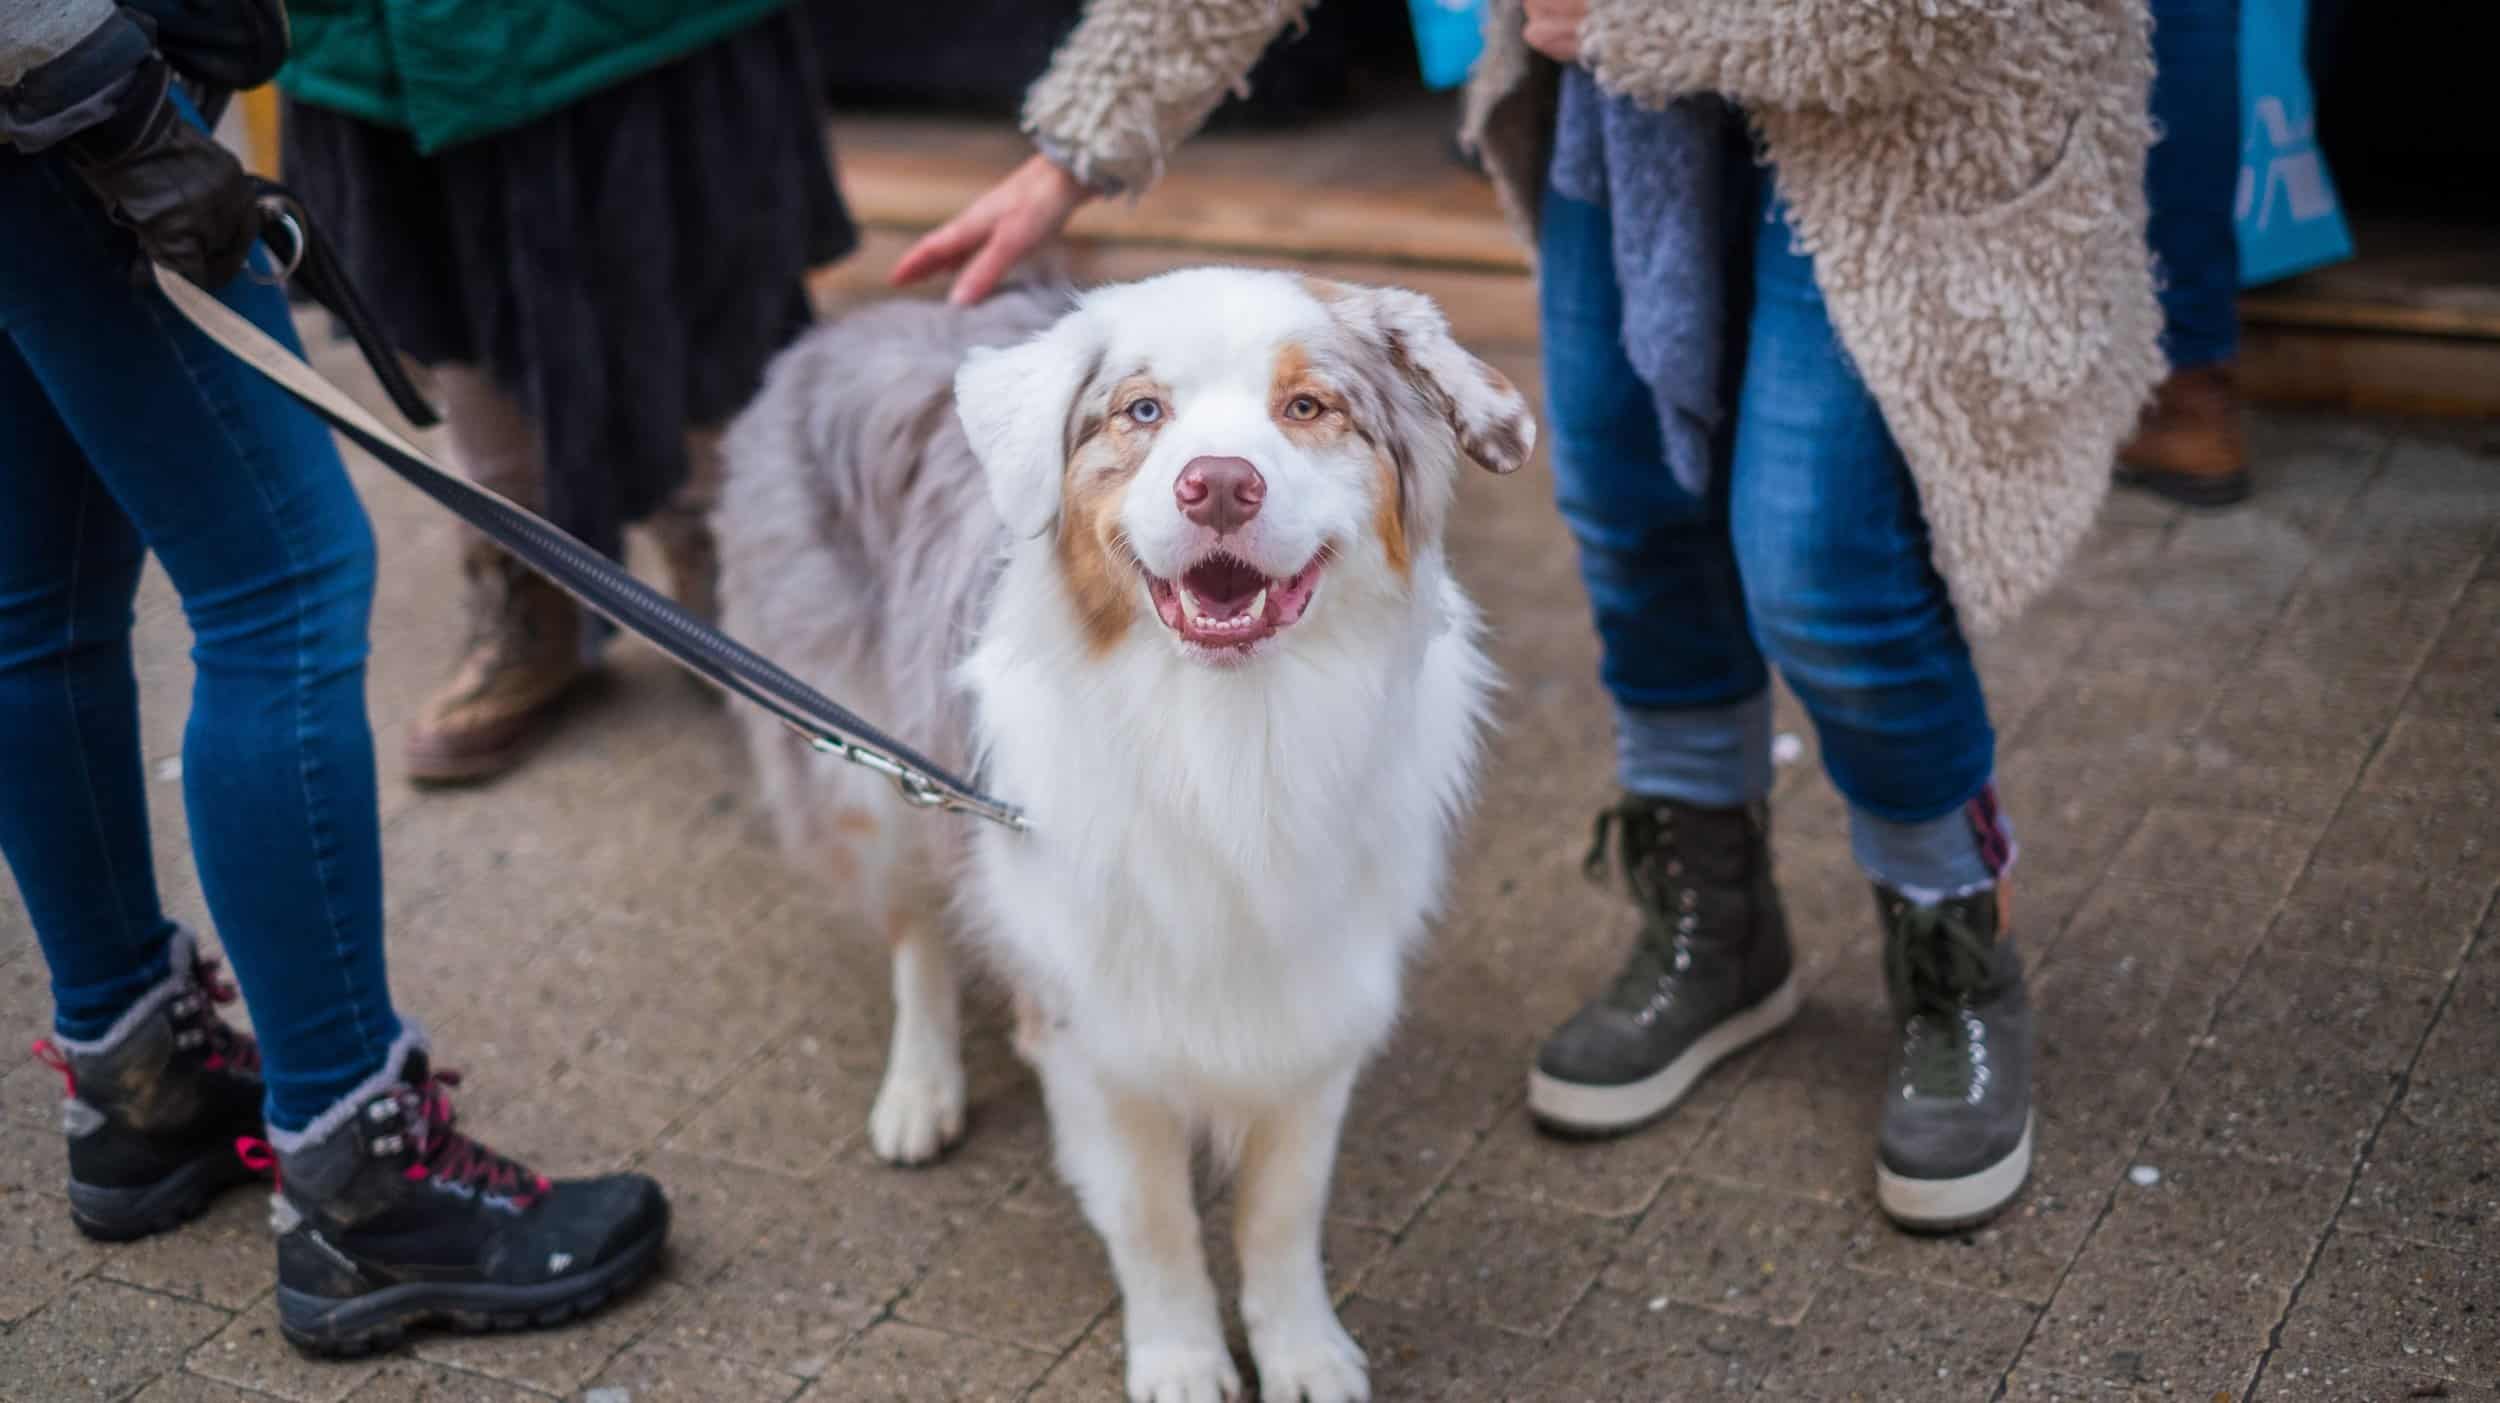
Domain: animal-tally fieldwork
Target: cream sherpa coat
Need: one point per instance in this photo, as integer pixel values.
(1968, 175)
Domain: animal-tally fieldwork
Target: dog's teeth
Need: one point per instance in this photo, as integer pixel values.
(1258, 605)
(1190, 604)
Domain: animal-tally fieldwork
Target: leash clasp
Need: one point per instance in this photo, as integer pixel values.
(918, 790)
(281, 213)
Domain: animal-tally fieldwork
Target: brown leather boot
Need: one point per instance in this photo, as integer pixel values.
(692, 559)
(524, 655)
(689, 552)
(2191, 445)
(683, 528)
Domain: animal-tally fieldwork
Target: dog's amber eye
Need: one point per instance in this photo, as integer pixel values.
(1302, 409)
(1144, 411)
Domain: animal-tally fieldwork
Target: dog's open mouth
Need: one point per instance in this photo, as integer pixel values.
(1224, 601)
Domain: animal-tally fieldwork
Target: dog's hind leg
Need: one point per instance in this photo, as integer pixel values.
(919, 1109)
(920, 1106)
(1303, 1354)
(1128, 1160)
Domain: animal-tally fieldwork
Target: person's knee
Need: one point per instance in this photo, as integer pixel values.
(1613, 488)
(1807, 610)
(1854, 633)
(309, 609)
(337, 584)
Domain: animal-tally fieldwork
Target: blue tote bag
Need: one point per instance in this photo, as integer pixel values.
(2286, 213)
(1449, 34)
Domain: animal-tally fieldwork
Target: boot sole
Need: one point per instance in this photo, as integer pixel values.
(450, 766)
(2189, 489)
(328, 1327)
(1944, 1205)
(1583, 1109)
(127, 1215)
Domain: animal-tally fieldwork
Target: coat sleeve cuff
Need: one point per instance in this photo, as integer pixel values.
(78, 87)
(1136, 78)
(38, 31)
(1102, 183)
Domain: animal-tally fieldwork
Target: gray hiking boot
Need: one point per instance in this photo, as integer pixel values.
(1710, 972)
(1956, 1140)
(391, 1218)
(155, 1107)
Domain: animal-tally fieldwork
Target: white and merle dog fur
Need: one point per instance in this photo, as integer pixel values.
(1163, 563)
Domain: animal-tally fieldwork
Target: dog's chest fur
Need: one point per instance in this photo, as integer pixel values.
(1227, 868)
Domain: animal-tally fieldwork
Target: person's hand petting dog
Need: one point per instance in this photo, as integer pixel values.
(1036, 200)
(995, 232)
(1553, 28)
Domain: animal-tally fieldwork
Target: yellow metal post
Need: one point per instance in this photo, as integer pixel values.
(260, 129)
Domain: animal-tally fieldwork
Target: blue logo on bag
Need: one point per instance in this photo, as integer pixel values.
(2286, 214)
(1449, 34)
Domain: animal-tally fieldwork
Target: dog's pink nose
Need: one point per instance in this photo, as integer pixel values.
(1223, 493)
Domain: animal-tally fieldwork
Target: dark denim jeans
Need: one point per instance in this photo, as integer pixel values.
(127, 431)
(2192, 178)
(1809, 552)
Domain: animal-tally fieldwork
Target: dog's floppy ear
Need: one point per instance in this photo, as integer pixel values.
(1016, 403)
(1484, 409)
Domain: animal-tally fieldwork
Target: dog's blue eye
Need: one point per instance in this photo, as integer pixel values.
(1145, 411)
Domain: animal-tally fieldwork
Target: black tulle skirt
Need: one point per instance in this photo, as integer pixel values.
(624, 266)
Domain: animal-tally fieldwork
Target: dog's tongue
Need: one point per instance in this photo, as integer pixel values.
(1223, 586)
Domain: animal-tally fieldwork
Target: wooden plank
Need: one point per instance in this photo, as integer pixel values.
(1378, 186)
(260, 130)
(2370, 372)
(1488, 311)
(2323, 313)
(2422, 277)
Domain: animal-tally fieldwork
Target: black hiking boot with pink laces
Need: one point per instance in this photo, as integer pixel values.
(155, 1107)
(389, 1218)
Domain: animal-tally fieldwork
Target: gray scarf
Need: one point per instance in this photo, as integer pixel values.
(1664, 176)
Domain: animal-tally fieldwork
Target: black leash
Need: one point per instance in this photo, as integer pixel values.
(599, 583)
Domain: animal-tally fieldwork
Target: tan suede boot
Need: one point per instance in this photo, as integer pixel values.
(2191, 446)
(683, 528)
(524, 654)
(689, 553)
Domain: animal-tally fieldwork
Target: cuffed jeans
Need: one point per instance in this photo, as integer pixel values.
(1808, 552)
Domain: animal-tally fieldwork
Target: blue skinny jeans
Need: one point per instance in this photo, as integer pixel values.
(127, 431)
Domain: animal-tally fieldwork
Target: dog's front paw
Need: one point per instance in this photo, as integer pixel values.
(917, 1115)
(1177, 1372)
(1312, 1360)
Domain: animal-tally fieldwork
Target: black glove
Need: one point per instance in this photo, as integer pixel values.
(231, 45)
(107, 104)
(188, 199)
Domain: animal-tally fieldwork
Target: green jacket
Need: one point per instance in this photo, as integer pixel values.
(449, 70)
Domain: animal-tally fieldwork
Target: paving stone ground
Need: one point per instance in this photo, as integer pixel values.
(2255, 764)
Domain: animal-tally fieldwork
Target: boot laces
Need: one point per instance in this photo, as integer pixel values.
(1636, 840)
(198, 1026)
(49, 1053)
(441, 1153)
(1936, 963)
